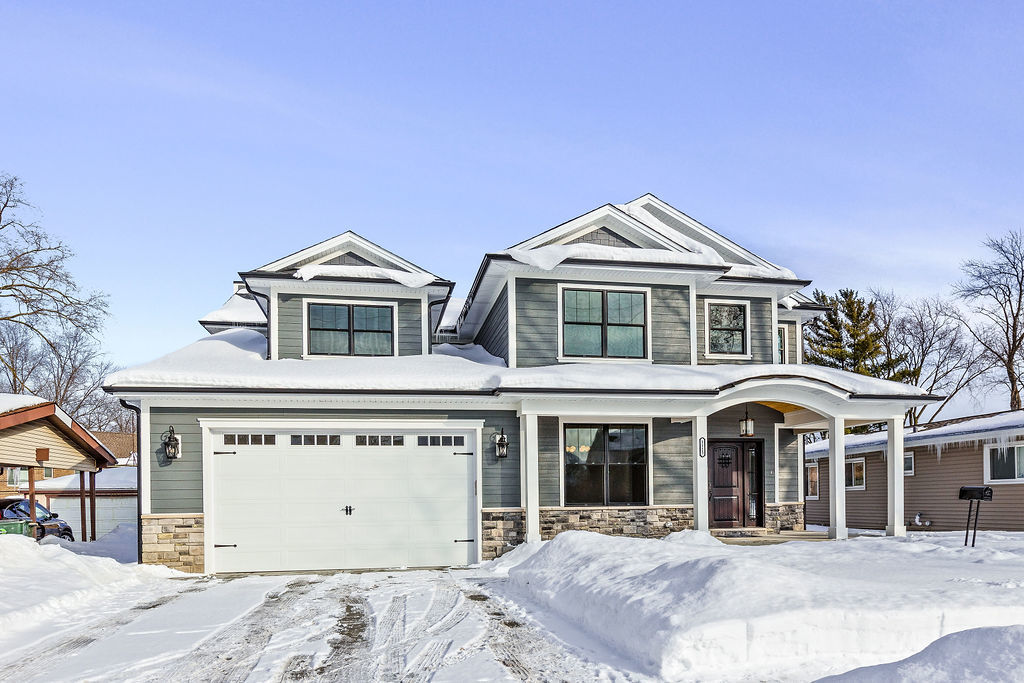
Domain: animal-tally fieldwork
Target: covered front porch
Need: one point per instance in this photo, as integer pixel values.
(728, 459)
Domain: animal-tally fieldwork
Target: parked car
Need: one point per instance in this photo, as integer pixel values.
(49, 523)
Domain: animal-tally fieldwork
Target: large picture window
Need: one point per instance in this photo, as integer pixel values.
(604, 324)
(1005, 464)
(605, 464)
(350, 330)
(727, 328)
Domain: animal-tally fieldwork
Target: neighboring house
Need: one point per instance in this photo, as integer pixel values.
(630, 371)
(37, 437)
(116, 499)
(938, 458)
(121, 444)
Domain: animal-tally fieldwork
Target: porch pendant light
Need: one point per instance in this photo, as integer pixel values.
(746, 425)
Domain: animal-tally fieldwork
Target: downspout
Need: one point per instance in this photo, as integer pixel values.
(433, 328)
(265, 312)
(138, 468)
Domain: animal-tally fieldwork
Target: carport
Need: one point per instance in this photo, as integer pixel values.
(35, 433)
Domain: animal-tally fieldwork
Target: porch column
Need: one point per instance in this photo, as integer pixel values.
(894, 464)
(701, 518)
(531, 465)
(92, 506)
(81, 500)
(837, 479)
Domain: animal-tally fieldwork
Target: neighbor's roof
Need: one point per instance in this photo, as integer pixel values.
(19, 409)
(121, 444)
(234, 361)
(970, 428)
(111, 479)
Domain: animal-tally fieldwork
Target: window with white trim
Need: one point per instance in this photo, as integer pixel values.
(605, 464)
(855, 474)
(782, 334)
(811, 481)
(47, 472)
(728, 328)
(17, 476)
(1004, 464)
(908, 463)
(349, 330)
(604, 324)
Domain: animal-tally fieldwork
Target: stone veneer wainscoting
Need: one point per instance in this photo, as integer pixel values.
(643, 522)
(784, 516)
(503, 529)
(174, 540)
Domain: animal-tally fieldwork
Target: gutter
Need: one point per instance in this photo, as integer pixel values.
(266, 312)
(138, 467)
(433, 328)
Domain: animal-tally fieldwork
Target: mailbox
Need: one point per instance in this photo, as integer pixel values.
(975, 493)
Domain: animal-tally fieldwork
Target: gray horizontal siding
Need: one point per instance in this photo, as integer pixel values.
(762, 334)
(493, 334)
(290, 328)
(673, 462)
(178, 486)
(794, 342)
(790, 467)
(537, 322)
(550, 461)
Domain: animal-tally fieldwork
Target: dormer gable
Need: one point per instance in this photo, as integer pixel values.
(346, 249)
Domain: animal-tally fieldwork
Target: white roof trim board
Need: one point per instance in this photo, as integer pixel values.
(338, 245)
(977, 429)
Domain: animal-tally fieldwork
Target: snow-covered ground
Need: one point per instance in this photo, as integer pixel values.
(580, 607)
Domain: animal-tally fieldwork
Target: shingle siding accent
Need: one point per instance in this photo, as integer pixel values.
(604, 237)
(550, 461)
(290, 330)
(493, 334)
(537, 322)
(178, 486)
(762, 334)
(672, 461)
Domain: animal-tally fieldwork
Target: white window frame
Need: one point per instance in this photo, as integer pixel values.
(784, 360)
(590, 419)
(913, 463)
(808, 466)
(707, 330)
(22, 471)
(852, 461)
(987, 463)
(648, 323)
(306, 301)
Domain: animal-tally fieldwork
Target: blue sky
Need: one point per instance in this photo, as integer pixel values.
(861, 144)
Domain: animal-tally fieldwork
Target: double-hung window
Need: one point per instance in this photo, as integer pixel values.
(1004, 464)
(350, 330)
(604, 324)
(605, 464)
(727, 328)
(855, 474)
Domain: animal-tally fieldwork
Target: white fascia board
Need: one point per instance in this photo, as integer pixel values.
(274, 286)
(605, 211)
(369, 402)
(910, 443)
(753, 288)
(338, 242)
(486, 294)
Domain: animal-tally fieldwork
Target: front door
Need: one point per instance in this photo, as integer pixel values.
(735, 484)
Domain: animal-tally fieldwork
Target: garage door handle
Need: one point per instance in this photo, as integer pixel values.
(224, 453)
(464, 540)
(469, 453)
(225, 545)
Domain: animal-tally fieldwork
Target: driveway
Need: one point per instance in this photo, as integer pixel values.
(390, 626)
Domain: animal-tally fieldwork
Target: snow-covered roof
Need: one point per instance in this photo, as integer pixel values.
(9, 402)
(452, 311)
(404, 277)
(110, 479)
(240, 309)
(984, 427)
(235, 359)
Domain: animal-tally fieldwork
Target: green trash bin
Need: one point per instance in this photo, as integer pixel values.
(19, 527)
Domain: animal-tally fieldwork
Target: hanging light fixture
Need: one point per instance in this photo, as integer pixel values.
(746, 424)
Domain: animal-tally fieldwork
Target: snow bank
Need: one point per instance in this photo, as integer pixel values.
(46, 582)
(979, 654)
(376, 272)
(237, 309)
(110, 479)
(121, 544)
(470, 352)
(9, 402)
(690, 607)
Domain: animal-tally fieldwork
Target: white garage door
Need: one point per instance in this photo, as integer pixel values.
(333, 499)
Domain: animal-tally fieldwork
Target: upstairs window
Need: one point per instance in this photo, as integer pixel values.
(782, 334)
(350, 330)
(728, 331)
(604, 324)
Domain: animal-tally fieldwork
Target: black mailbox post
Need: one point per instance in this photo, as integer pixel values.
(974, 493)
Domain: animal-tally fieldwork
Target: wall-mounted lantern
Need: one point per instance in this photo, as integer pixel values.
(172, 445)
(500, 444)
(746, 424)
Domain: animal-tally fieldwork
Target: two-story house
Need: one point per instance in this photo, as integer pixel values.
(630, 371)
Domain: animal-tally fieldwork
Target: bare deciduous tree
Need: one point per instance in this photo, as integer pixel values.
(926, 339)
(993, 290)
